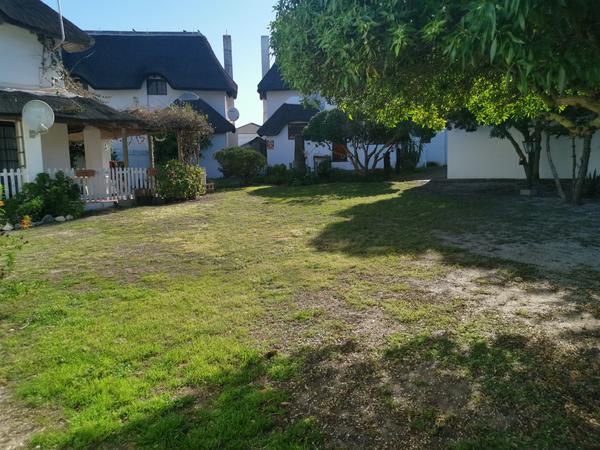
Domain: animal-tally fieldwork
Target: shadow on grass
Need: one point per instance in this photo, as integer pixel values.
(319, 193)
(522, 392)
(411, 223)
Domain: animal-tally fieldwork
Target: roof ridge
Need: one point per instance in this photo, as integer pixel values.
(145, 33)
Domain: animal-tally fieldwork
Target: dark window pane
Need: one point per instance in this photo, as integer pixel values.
(340, 153)
(9, 155)
(156, 86)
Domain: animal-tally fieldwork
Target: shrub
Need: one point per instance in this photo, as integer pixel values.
(591, 186)
(58, 196)
(277, 174)
(244, 163)
(8, 244)
(179, 181)
(324, 169)
(408, 156)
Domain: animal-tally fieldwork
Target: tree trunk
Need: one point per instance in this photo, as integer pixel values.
(537, 153)
(179, 147)
(583, 168)
(387, 165)
(574, 157)
(397, 166)
(557, 182)
(299, 156)
(522, 157)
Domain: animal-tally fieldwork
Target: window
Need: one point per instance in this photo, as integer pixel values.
(340, 153)
(9, 153)
(295, 129)
(156, 86)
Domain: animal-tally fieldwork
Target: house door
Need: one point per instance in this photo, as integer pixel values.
(9, 150)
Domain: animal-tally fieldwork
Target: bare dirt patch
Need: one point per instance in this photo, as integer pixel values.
(17, 425)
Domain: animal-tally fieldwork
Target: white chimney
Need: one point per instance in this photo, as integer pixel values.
(265, 45)
(228, 54)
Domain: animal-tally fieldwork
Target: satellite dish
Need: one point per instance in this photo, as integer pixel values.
(189, 97)
(233, 114)
(38, 117)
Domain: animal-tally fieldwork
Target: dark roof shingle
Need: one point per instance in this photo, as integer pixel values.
(38, 17)
(272, 81)
(123, 60)
(66, 109)
(216, 120)
(284, 115)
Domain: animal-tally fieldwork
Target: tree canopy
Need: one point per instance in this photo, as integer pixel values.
(502, 61)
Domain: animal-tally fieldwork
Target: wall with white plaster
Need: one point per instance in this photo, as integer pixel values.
(55, 147)
(23, 57)
(476, 155)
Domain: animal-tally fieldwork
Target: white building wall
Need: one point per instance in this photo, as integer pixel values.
(23, 60)
(476, 155)
(207, 159)
(55, 147)
(244, 138)
(274, 101)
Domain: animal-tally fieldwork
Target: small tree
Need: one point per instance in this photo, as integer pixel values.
(366, 141)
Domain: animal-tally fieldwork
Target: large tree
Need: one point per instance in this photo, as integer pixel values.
(418, 59)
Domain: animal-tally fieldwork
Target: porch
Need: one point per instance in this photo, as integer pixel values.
(97, 186)
(78, 144)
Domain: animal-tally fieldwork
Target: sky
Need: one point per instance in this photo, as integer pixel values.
(245, 20)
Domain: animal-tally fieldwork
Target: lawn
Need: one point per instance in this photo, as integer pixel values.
(332, 316)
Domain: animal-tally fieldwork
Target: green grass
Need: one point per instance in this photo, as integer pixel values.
(152, 327)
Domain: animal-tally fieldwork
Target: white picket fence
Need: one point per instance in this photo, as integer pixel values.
(97, 185)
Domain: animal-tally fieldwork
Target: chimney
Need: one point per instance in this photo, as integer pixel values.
(228, 55)
(265, 53)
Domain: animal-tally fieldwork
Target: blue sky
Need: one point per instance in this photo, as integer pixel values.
(245, 20)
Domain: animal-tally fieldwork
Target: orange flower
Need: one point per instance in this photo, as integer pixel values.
(26, 223)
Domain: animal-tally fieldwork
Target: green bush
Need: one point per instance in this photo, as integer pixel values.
(408, 156)
(277, 175)
(58, 196)
(179, 181)
(591, 186)
(241, 162)
(324, 169)
(8, 244)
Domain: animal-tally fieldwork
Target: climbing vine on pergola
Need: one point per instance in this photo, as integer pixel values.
(192, 129)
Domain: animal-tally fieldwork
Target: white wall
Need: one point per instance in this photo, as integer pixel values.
(55, 147)
(22, 60)
(208, 161)
(274, 100)
(476, 155)
(244, 138)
